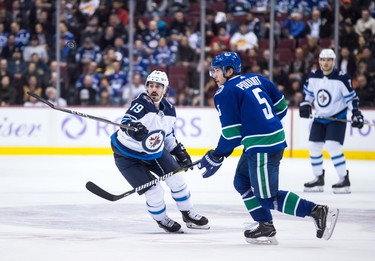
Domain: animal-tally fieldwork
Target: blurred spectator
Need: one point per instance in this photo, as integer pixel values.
(3, 36)
(347, 62)
(37, 48)
(22, 35)
(348, 37)
(95, 77)
(16, 63)
(121, 13)
(161, 25)
(117, 82)
(211, 28)
(311, 52)
(243, 39)
(317, 26)
(294, 27)
(87, 53)
(179, 23)
(231, 24)
(254, 25)
(104, 98)
(222, 38)
(108, 38)
(185, 54)
(51, 95)
(238, 7)
(348, 11)
(118, 27)
(369, 60)
(86, 95)
(366, 22)
(163, 55)
(151, 36)
(158, 7)
(4, 70)
(43, 36)
(32, 85)
(365, 91)
(7, 92)
(178, 5)
(297, 68)
(131, 91)
(92, 31)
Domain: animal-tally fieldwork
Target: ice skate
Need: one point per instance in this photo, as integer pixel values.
(316, 185)
(262, 233)
(194, 220)
(343, 186)
(170, 225)
(325, 219)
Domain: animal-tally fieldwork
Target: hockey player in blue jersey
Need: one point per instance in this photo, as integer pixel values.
(250, 109)
(331, 92)
(153, 148)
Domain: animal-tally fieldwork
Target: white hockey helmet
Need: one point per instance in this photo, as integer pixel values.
(159, 77)
(327, 53)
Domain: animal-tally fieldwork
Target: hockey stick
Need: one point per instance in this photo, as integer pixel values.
(53, 106)
(93, 188)
(335, 119)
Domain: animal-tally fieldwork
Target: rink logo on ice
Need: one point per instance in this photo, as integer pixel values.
(154, 141)
(73, 127)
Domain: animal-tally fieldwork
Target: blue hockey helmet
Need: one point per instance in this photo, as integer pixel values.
(227, 59)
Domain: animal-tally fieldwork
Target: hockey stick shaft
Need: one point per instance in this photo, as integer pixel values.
(95, 189)
(335, 119)
(53, 106)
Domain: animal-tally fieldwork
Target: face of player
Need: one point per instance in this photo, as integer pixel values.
(155, 91)
(326, 64)
(218, 75)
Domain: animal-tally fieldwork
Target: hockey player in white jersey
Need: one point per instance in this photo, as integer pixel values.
(151, 148)
(331, 93)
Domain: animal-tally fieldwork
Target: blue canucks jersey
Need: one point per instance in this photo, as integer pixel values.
(160, 125)
(250, 108)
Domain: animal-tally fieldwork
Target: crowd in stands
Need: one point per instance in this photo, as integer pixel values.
(94, 47)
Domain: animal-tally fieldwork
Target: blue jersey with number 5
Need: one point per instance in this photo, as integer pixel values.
(250, 108)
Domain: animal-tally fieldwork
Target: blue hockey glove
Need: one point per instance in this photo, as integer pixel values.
(211, 163)
(139, 134)
(182, 157)
(357, 119)
(305, 109)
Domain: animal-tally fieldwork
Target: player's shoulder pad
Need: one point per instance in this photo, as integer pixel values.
(169, 109)
(144, 99)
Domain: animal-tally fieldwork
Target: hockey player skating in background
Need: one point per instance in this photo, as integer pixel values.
(332, 94)
(151, 149)
(250, 109)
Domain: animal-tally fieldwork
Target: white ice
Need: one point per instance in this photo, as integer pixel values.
(46, 213)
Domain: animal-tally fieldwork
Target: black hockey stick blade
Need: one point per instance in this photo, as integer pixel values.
(53, 106)
(95, 189)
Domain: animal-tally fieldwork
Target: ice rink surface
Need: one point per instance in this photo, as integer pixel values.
(46, 213)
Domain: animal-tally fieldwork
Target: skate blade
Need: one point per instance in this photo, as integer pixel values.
(314, 189)
(332, 216)
(262, 241)
(194, 226)
(343, 190)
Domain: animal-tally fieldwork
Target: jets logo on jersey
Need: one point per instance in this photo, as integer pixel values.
(323, 98)
(153, 141)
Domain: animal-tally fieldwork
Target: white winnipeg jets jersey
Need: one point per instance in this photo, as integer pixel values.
(330, 94)
(160, 125)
